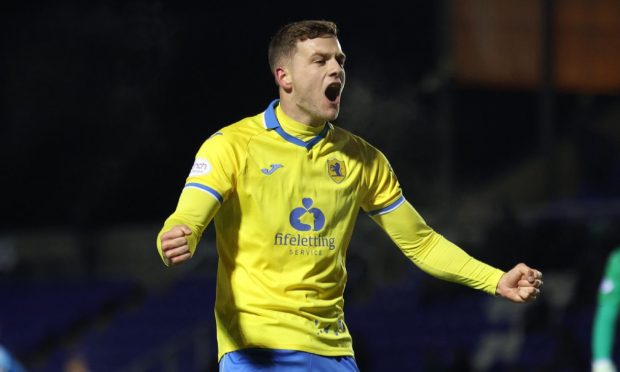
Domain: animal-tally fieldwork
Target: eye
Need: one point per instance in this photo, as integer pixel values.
(320, 61)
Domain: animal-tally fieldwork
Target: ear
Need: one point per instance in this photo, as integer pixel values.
(283, 78)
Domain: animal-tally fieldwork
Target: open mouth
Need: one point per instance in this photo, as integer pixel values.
(333, 91)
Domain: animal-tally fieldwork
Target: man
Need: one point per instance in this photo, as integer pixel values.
(606, 315)
(285, 188)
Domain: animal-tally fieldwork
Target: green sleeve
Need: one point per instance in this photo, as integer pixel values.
(606, 312)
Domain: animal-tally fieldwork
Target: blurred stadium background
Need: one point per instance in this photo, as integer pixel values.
(502, 120)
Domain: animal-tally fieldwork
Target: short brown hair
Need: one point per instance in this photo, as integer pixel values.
(284, 41)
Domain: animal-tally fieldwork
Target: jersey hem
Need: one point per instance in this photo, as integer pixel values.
(331, 353)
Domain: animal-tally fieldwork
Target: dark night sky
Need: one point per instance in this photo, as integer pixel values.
(105, 103)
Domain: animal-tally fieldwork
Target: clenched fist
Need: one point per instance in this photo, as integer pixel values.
(174, 245)
(521, 284)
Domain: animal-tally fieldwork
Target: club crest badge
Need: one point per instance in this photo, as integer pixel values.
(336, 170)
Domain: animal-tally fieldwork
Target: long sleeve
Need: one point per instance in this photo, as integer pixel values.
(195, 209)
(603, 332)
(606, 313)
(433, 253)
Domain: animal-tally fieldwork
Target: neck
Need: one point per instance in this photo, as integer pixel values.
(296, 128)
(292, 111)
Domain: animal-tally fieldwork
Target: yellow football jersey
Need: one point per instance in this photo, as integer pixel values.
(290, 195)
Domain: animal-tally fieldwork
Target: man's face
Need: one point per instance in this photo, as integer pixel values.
(317, 78)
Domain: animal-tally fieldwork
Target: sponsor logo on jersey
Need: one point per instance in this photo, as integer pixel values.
(306, 219)
(272, 168)
(336, 170)
(295, 218)
(200, 167)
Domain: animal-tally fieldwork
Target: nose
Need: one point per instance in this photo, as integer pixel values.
(336, 69)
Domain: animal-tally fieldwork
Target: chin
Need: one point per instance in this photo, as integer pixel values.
(331, 114)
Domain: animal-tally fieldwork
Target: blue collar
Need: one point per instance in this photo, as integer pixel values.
(271, 122)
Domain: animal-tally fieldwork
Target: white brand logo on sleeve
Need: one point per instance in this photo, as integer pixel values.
(607, 285)
(200, 167)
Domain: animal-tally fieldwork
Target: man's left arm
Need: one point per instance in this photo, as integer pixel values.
(441, 258)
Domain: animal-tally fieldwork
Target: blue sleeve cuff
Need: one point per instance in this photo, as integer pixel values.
(209, 190)
(389, 208)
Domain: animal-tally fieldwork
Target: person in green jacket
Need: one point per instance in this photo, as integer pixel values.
(603, 330)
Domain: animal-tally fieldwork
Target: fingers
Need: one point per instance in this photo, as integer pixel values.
(526, 283)
(169, 244)
(539, 275)
(174, 244)
(523, 294)
(528, 293)
(181, 258)
(176, 232)
(187, 231)
(177, 251)
(527, 272)
(532, 276)
(177, 254)
(520, 284)
(530, 283)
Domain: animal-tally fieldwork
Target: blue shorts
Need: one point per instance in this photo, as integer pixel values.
(272, 360)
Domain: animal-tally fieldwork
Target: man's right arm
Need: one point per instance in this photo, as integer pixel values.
(177, 240)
